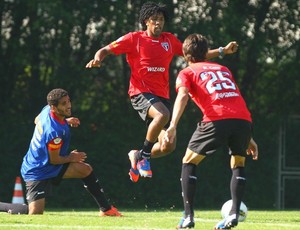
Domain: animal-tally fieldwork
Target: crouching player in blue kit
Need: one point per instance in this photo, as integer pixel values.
(48, 160)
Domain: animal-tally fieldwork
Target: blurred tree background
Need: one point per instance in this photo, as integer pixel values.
(46, 45)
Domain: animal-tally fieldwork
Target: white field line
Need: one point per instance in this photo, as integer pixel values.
(41, 226)
(31, 226)
(103, 227)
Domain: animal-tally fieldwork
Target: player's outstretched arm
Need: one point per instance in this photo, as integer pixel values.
(230, 48)
(179, 107)
(99, 57)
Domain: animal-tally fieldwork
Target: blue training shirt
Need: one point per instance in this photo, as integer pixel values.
(36, 165)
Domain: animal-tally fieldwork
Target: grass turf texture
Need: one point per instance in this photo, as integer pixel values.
(145, 220)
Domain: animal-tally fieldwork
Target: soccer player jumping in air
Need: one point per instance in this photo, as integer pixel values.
(149, 53)
(226, 122)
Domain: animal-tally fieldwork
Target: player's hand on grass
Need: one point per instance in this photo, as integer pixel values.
(73, 121)
(253, 149)
(93, 63)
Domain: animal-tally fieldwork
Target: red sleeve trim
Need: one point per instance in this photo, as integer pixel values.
(55, 144)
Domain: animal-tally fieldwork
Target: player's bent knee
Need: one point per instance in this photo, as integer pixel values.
(161, 118)
(165, 117)
(168, 148)
(87, 170)
(36, 207)
(78, 170)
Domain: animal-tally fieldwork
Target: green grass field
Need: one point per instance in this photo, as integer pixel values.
(140, 220)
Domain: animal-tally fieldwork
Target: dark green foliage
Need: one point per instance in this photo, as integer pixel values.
(46, 44)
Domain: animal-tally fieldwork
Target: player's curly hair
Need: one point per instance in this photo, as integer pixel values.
(195, 48)
(55, 95)
(149, 9)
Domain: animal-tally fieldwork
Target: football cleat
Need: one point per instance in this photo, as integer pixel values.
(228, 222)
(133, 172)
(111, 212)
(186, 223)
(134, 175)
(144, 169)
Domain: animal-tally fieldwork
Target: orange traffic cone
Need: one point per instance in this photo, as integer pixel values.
(18, 197)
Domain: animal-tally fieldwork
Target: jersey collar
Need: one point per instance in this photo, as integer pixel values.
(53, 115)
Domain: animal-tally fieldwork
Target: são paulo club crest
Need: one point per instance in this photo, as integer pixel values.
(165, 45)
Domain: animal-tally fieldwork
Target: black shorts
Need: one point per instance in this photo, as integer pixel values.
(233, 133)
(36, 190)
(143, 101)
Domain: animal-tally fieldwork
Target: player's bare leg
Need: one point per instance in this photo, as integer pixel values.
(78, 170)
(36, 207)
(160, 116)
(162, 148)
(153, 145)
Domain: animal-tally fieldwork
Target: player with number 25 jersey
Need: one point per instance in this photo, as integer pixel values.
(226, 123)
(213, 89)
